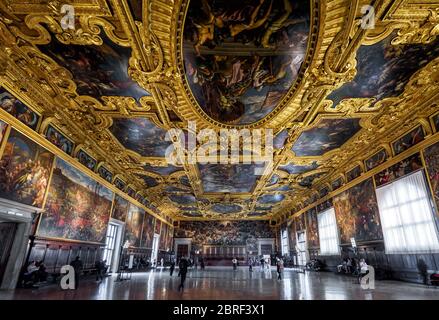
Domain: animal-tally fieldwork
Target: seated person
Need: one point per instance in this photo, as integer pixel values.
(342, 266)
(30, 276)
(41, 273)
(349, 266)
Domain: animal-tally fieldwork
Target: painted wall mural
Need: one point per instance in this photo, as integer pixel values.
(140, 135)
(170, 238)
(163, 237)
(148, 231)
(431, 155)
(239, 178)
(157, 226)
(77, 207)
(120, 208)
(24, 170)
(399, 169)
(223, 232)
(18, 109)
(242, 57)
(409, 140)
(327, 135)
(97, 70)
(133, 226)
(59, 140)
(312, 228)
(385, 69)
(357, 213)
(292, 234)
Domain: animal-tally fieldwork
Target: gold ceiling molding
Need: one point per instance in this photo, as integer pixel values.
(156, 64)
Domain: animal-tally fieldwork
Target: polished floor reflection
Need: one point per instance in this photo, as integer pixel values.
(228, 284)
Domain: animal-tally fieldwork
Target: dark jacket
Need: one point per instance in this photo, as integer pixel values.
(183, 265)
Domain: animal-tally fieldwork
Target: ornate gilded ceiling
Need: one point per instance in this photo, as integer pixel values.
(333, 90)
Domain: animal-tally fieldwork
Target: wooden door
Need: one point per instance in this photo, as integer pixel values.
(7, 235)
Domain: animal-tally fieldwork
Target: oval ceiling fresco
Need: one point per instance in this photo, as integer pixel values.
(242, 57)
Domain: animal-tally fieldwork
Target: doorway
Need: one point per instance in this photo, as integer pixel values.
(301, 248)
(112, 245)
(155, 249)
(7, 236)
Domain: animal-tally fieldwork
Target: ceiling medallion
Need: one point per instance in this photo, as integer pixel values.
(243, 61)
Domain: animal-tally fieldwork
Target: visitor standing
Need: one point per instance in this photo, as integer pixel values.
(279, 268)
(183, 265)
(235, 263)
(171, 269)
(262, 264)
(202, 263)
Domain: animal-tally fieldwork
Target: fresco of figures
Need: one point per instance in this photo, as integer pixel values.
(312, 228)
(399, 170)
(140, 135)
(436, 122)
(157, 226)
(385, 69)
(98, 70)
(59, 140)
(241, 57)
(17, 109)
(337, 183)
(410, 139)
(223, 232)
(300, 222)
(163, 237)
(170, 238)
(77, 207)
(25, 170)
(353, 174)
(231, 178)
(120, 208)
(105, 173)
(292, 234)
(327, 135)
(357, 213)
(376, 159)
(133, 226)
(431, 155)
(86, 160)
(148, 231)
(3, 127)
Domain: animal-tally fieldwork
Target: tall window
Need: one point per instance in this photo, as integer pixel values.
(284, 242)
(328, 234)
(110, 243)
(407, 216)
